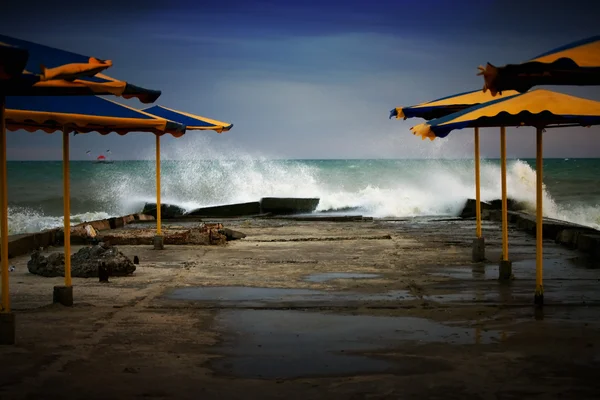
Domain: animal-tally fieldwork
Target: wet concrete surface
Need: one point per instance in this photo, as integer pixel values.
(566, 281)
(292, 344)
(565, 268)
(204, 321)
(328, 276)
(263, 297)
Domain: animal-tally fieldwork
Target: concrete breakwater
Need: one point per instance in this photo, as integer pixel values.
(266, 206)
(114, 232)
(26, 243)
(570, 235)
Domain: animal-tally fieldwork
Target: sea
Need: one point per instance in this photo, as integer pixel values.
(377, 188)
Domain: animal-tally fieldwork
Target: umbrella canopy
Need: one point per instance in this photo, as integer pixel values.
(51, 71)
(538, 108)
(82, 114)
(576, 64)
(448, 105)
(191, 121)
(444, 106)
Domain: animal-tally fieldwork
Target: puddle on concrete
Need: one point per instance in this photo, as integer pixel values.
(503, 297)
(289, 344)
(520, 292)
(476, 272)
(328, 276)
(258, 295)
(554, 268)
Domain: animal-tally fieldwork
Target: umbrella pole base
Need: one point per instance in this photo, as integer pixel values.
(63, 295)
(478, 254)
(159, 242)
(7, 328)
(538, 299)
(505, 270)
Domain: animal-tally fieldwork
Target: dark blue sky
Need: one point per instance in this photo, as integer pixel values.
(305, 79)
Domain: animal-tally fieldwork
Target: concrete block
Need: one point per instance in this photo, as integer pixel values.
(25, 243)
(478, 253)
(63, 295)
(495, 215)
(568, 238)
(100, 225)
(288, 205)
(469, 208)
(513, 217)
(159, 242)
(7, 328)
(116, 223)
(167, 211)
(505, 270)
(511, 204)
(589, 243)
(524, 222)
(228, 210)
(538, 299)
(143, 217)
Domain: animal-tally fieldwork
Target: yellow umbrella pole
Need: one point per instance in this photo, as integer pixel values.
(504, 197)
(4, 205)
(478, 253)
(7, 319)
(158, 239)
(505, 270)
(539, 287)
(67, 208)
(477, 186)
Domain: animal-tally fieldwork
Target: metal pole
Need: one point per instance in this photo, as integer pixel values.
(504, 199)
(158, 224)
(67, 208)
(5, 308)
(477, 186)
(539, 173)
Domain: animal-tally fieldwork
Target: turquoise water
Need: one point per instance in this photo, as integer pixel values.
(381, 188)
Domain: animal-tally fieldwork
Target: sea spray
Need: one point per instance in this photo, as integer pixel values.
(198, 175)
(379, 188)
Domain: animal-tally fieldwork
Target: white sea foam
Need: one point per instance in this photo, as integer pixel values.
(23, 220)
(406, 188)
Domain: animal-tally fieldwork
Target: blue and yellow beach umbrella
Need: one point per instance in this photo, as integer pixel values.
(448, 105)
(577, 64)
(540, 109)
(68, 114)
(81, 115)
(443, 106)
(31, 69)
(192, 122)
(51, 71)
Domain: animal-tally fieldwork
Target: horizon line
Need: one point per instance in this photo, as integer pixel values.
(315, 159)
